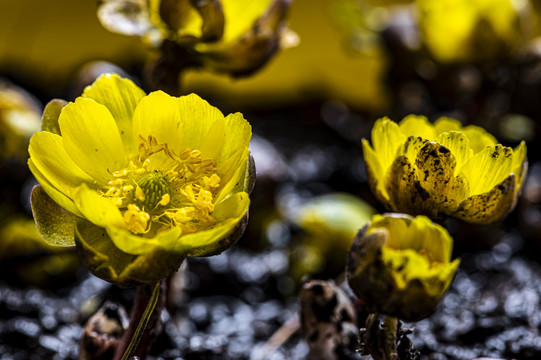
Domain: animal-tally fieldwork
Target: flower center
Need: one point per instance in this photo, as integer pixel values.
(160, 189)
(152, 191)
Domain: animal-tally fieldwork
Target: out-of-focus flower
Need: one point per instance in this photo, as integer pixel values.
(401, 266)
(461, 30)
(19, 119)
(30, 259)
(443, 168)
(231, 36)
(330, 223)
(141, 180)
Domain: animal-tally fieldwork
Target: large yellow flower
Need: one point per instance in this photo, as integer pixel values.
(144, 176)
(443, 168)
(401, 266)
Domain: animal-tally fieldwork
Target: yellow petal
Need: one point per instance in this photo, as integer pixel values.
(120, 96)
(415, 125)
(386, 140)
(48, 156)
(520, 164)
(430, 239)
(238, 134)
(228, 213)
(479, 138)
(240, 16)
(418, 233)
(490, 206)
(158, 115)
(97, 209)
(459, 145)
(233, 173)
(435, 171)
(197, 117)
(405, 193)
(214, 141)
(412, 146)
(233, 207)
(445, 124)
(57, 196)
(488, 168)
(91, 138)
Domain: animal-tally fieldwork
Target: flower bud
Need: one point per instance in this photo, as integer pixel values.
(400, 266)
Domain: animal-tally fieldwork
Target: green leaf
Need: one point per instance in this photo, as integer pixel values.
(55, 224)
(49, 119)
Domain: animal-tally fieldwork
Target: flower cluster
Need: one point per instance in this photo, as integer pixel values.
(417, 167)
(141, 176)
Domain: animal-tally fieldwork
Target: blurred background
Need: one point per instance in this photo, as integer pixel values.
(310, 105)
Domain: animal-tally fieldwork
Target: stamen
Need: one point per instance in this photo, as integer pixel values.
(180, 195)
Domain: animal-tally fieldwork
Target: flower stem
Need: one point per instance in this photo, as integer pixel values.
(390, 326)
(144, 322)
(381, 341)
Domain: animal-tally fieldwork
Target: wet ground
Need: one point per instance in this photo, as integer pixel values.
(233, 303)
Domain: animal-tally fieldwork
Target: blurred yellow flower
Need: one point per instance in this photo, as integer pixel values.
(462, 30)
(329, 223)
(401, 266)
(443, 168)
(151, 174)
(225, 35)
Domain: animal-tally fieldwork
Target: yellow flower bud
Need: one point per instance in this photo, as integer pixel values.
(400, 266)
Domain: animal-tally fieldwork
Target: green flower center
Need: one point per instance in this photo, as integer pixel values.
(150, 191)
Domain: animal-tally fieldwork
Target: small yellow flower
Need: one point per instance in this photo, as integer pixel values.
(401, 266)
(225, 35)
(443, 168)
(151, 174)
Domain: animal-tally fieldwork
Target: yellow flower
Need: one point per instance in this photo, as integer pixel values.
(144, 176)
(225, 35)
(401, 266)
(443, 168)
(462, 30)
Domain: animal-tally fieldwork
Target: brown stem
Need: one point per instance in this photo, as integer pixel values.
(153, 328)
(381, 342)
(390, 325)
